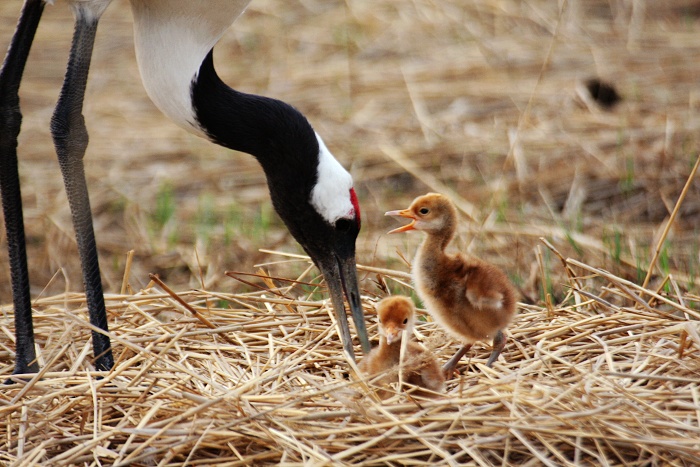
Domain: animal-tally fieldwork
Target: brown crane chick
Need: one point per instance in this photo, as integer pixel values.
(420, 368)
(470, 298)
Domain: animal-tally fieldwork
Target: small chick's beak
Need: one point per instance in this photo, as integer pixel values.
(392, 335)
(403, 213)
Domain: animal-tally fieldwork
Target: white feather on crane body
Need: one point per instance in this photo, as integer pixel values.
(171, 38)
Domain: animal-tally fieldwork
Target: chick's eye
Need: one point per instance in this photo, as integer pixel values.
(343, 225)
(424, 211)
(405, 320)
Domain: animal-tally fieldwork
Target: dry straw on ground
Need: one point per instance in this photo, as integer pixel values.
(610, 379)
(484, 100)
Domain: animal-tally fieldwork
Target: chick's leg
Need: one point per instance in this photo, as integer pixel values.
(499, 343)
(449, 367)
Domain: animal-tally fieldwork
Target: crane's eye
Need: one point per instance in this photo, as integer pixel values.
(343, 225)
(405, 320)
(424, 211)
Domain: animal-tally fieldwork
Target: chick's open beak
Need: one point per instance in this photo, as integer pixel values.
(403, 213)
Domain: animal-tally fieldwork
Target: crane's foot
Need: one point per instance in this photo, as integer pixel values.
(22, 369)
(105, 361)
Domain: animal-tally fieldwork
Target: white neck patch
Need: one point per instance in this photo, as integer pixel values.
(331, 195)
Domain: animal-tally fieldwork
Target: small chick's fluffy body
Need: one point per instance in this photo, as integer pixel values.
(471, 299)
(420, 368)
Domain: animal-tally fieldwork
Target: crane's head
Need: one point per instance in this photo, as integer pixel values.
(395, 316)
(320, 208)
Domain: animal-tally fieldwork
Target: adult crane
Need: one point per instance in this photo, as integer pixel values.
(174, 39)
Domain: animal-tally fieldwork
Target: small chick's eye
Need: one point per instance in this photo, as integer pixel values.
(424, 211)
(405, 320)
(343, 225)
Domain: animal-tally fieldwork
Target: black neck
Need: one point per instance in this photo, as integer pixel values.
(274, 132)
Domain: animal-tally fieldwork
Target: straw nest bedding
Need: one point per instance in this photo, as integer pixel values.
(608, 377)
(604, 373)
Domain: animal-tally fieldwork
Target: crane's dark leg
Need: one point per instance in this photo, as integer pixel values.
(71, 139)
(10, 122)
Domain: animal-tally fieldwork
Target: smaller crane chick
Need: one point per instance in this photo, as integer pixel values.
(420, 368)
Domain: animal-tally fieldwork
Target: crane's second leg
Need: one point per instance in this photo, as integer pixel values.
(10, 122)
(71, 139)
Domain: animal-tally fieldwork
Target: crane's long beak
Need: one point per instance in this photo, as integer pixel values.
(403, 213)
(341, 277)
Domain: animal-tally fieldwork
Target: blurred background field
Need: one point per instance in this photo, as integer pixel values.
(487, 101)
(484, 100)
